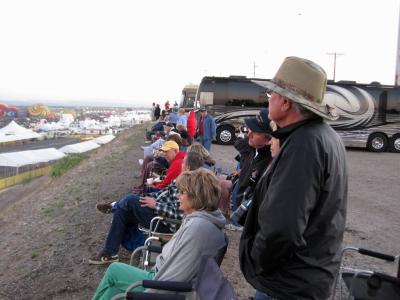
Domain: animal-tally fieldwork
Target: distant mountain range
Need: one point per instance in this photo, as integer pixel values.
(73, 103)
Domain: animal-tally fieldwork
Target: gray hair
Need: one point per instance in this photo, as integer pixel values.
(307, 114)
(193, 161)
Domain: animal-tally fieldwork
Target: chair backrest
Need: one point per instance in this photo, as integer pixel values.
(211, 283)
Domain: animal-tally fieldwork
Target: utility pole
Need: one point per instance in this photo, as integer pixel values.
(334, 62)
(254, 69)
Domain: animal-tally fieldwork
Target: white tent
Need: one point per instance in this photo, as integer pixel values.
(15, 132)
(79, 147)
(104, 139)
(29, 157)
(14, 128)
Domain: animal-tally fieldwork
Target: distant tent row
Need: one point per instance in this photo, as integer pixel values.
(80, 147)
(104, 139)
(14, 132)
(30, 157)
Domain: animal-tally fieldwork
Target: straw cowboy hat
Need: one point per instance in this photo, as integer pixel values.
(303, 82)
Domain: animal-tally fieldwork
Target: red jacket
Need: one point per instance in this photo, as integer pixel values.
(191, 124)
(173, 171)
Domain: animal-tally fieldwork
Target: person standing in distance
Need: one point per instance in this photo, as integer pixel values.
(206, 128)
(152, 111)
(291, 242)
(157, 112)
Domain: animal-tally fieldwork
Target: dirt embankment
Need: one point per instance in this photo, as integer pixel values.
(50, 227)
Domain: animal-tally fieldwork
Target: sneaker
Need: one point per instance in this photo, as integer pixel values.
(143, 147)
(232, 227)
(105, 208)
(141, 161)
(101, 259)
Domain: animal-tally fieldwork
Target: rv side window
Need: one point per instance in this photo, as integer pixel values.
(393, 106)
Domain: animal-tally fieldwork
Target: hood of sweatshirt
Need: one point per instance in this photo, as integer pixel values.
(215, 217)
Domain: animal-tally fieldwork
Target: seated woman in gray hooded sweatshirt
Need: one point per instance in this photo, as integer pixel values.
(180, 258)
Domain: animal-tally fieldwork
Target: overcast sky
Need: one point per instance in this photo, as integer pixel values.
(137, 52)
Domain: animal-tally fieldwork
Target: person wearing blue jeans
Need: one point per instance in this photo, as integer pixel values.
(127, 213)
(133, 210)
(206, 129)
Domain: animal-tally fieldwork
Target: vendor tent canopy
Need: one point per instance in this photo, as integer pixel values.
(79, 147)
(29, 157)
(14, 132)
(104, 139)
(14, 128)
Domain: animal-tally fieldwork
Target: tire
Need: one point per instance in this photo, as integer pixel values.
(395, 143)
(377, 142)
(226, 135)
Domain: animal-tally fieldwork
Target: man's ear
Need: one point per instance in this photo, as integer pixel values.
(287, 104)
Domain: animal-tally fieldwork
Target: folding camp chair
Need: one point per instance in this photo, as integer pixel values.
(367, 284)
(144, 257)
(210, 284)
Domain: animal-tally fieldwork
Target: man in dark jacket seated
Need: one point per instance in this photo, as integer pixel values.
(291, 242)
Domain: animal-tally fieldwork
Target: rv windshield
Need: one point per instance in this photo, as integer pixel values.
(187, 100)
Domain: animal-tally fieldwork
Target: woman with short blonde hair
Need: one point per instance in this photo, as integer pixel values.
(202, 187)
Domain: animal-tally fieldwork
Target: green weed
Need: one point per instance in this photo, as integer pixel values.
(65, 164)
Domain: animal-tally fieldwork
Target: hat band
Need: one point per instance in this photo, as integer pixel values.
(290, 87)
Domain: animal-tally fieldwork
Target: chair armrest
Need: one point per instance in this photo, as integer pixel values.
(153, 296)
(176, 286)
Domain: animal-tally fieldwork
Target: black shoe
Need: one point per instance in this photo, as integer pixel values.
(105, 208)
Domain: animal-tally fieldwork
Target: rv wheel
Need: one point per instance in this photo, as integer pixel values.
(226, 135)
(377, 142)
(395, 143)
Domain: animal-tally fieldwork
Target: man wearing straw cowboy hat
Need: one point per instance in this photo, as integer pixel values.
(292, 237)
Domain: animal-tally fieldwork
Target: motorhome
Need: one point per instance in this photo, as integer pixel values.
(188, 96)
(369, 113)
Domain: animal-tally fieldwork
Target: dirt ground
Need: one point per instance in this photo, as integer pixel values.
(50, 227)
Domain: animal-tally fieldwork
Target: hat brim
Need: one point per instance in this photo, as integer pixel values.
(323, 110)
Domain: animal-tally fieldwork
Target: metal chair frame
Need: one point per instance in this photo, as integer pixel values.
(354, 277)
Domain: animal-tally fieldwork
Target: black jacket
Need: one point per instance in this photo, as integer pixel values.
(292, 237)
(250, 166)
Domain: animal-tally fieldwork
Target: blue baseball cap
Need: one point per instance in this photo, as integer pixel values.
(259, 123)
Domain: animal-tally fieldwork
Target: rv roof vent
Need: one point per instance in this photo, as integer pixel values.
(238, 76)
(375, 83)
